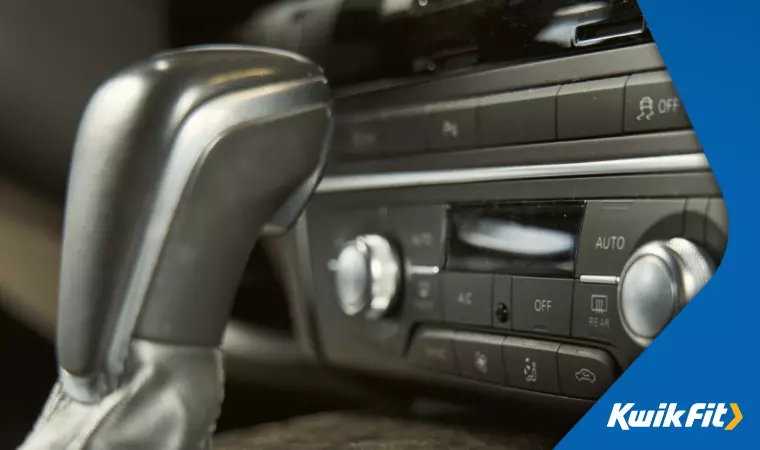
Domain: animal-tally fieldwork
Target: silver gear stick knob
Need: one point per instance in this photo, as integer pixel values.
(181, 162)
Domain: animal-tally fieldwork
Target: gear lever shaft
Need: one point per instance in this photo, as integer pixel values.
(180, 163)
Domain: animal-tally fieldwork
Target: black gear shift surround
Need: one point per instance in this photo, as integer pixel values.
(181, 163)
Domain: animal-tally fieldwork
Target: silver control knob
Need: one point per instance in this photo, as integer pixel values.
(367, 276)
(658, 280)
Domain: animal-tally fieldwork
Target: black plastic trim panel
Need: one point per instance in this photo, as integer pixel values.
(638, 145)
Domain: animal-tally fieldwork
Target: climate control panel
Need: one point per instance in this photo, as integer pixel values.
(554, 295)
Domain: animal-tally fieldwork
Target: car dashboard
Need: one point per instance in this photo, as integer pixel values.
(497, 168)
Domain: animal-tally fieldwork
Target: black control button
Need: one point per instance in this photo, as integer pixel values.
(451, 126)
(359, 137)
(595, 312)
(467, 298)
(422, 299)
(502, 301)
(479, 356)
(584, 372)
(542, 305)
(591, 108)
(612, 229)
(694, 219)
(405, 132)
(518, 117)
(531, 364)
(434, 349)
(716, 227)
(421, 231)
(652, 103)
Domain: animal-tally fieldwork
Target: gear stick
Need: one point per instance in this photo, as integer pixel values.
(181, 162)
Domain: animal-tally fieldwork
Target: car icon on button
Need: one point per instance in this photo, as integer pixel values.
(585, 375)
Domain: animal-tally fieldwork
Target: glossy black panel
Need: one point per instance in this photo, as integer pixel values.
(518, 239)
(366, 40)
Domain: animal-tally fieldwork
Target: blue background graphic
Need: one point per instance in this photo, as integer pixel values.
(710, 352)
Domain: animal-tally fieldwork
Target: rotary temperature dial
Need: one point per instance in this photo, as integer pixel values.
(658, 280)
(367, 276)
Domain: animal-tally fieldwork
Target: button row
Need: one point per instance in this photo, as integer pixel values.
(628, 104)
(516, 362)
(558, 307)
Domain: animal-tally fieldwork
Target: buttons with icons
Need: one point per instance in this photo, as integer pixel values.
(451, 126)
(422, 301)
(531, 364)
(652, 103)
(584, 372)
(528, 364)
(641, 102)
(595, 312)
(479, 356)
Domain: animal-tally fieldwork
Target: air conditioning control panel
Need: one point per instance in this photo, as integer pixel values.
(555, 295)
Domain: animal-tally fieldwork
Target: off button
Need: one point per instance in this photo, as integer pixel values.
(542, 305)
(612, 229)
(652, 103)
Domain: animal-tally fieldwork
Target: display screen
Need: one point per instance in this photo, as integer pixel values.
(518, 238)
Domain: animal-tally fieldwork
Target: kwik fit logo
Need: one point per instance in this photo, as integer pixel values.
(669, 415)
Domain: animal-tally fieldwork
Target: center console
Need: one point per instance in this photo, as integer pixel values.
(503, 219)
(532, 236)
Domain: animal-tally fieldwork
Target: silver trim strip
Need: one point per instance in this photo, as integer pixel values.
(332, 266)
(652, 164)
(600, 279)
(423, 270)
